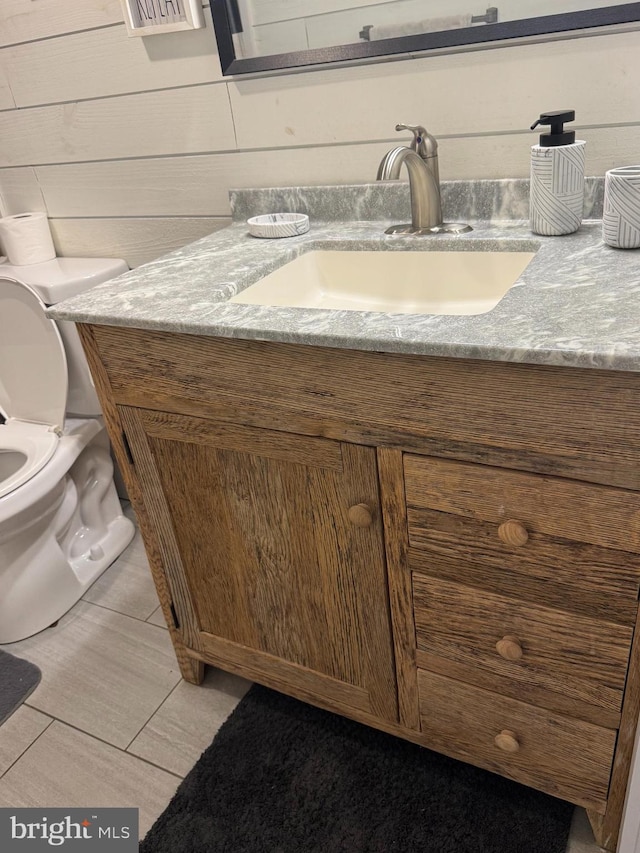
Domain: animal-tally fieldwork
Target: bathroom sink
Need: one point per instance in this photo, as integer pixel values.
(401, 282)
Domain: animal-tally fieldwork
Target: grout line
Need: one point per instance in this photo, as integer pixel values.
(221, 152)
(233, 118)
(36, 177)
(13, 97)
(174, 156)
(103, 741)
(173, 689)
(27, 748)
(159, 607)
(128, 615)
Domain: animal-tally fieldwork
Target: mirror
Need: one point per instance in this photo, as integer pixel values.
(266, 35)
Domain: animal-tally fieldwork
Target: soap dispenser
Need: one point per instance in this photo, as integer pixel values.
(557, 177)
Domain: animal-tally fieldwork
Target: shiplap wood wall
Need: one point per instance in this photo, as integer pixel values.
(131, 144)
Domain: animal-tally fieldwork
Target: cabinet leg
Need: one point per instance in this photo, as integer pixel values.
(192, 670)
(597, 825)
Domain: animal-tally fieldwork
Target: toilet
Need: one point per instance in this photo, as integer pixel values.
(61, 522)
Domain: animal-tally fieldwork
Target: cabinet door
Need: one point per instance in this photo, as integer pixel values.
(273, 547)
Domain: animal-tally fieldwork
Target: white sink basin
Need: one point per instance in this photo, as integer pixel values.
(400, 282)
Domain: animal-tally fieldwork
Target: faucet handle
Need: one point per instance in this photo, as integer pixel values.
(423, 143)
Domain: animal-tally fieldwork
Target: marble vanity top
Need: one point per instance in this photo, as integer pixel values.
(576, 304)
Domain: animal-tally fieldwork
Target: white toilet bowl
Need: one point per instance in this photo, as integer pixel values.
(61, 523)
(58, 532)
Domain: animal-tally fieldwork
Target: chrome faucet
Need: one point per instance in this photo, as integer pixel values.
(421, 159)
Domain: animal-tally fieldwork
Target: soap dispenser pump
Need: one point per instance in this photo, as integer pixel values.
(557, 177)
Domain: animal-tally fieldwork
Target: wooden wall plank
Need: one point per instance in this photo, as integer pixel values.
(136, 240)
(106, 62)
(198, 119)
(24, 20)
(6, 97)
(442, 92)
(171, 121)
(198, 185)
(187, 186)
(20, 191)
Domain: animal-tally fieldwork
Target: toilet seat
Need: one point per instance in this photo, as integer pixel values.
(33, 385)
(35, 442)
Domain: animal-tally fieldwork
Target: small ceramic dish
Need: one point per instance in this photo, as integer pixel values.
(278, 225)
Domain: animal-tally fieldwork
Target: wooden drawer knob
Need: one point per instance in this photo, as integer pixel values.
(509, 648)
(507, 741)
(360, 515)
(513, 532)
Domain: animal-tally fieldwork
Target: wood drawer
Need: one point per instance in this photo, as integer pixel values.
(568, 758)
(578, 543)
(551, 651)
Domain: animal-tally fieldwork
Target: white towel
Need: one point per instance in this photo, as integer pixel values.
(416, 28)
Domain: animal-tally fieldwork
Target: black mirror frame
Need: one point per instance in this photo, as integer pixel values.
(624, 13)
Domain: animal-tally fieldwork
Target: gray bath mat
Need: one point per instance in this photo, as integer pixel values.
(18, 678)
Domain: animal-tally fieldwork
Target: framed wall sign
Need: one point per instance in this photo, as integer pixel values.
(151, 17)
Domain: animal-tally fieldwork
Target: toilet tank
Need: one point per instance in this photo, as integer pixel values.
(55, 281)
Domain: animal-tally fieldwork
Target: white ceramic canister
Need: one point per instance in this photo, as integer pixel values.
(621, 217)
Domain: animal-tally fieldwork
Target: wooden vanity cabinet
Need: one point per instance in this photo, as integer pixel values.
(447, 550)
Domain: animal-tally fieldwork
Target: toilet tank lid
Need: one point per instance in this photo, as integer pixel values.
(63, 278)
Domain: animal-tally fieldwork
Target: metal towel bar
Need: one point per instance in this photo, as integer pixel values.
(489, 17)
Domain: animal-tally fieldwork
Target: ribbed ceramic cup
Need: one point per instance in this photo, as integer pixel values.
(621, 217)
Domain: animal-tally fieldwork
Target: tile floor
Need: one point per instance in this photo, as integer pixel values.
(112, 723)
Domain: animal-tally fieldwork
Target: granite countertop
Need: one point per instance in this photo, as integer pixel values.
(576, 304)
